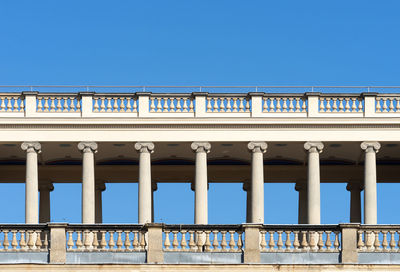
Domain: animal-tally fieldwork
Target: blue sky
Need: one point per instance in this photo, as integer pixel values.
(199, 43)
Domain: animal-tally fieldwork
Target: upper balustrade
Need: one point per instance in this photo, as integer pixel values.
(201, 104)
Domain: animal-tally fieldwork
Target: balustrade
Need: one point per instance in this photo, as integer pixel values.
(58, 103)
(228, 104)
(379, 239)
(284, 104)
(203, 238)
(11, 103)
(171, 104)
(26, 238)
(387, 104)
(106, 238)
(115, 103)
(335, 104)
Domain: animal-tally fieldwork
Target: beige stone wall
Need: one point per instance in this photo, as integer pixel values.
(198, 268)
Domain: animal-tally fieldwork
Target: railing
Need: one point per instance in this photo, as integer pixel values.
(199, 105)
(24, 238)
(379, 239)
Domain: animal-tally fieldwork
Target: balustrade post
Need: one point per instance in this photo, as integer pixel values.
(313, 182)
(31, 183)
(201, 182)
(143, 103)
(44, 203)
(349, 253)
(313, 104)
(369, 104)
(200, 102)
(88, 181)
(30, 103)
(155, 253)
(370, 197)
(256, 104)
(145, 150)
(251, 243)
(86, 103)
(58, 241)
(257, 150)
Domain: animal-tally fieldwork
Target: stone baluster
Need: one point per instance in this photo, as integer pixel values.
(31, 186)
(355, 201)
(44, 204)
(370, 197)
(301, 187)
(145, 149)
(257, 180)
(88, 181)
(313, 182)
(201, 182)
(100, 188)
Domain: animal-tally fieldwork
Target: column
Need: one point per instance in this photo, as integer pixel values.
(100, 188)
(355, 201)
(88, 181)
(44, 203)
(370, 198)
(313, 182)
(201, 182)
(247, 188)
(31, 183)
(302, 215)
(145, 150)
(257, 150)
(154, 188)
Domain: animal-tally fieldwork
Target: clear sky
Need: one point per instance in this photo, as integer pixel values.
(207, 42)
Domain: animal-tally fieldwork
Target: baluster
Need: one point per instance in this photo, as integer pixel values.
(328, 242)
(178, 107)
(208, 104)
(241, 104)
(109, 104)
(38, 243)
(183, 240)
(280, 242)
(392, 243)
(334, 104)
(369, 242)
(296, 243)
(360, 104)
(152, 104)
(377, 243)
(336, 244)
(341, 105)
(64, 107)
(297, 105)
(199, 236)
(385, 243)
(215, 108)
(46, 104)
(95, 240)
(321, 104)
(111, 242)
(397, 104)
(391, 105)
(234, 105)
(271, 243)
(191, 105)
(263, 243)
(328, 104)
(165, 107)
(304, 243)
(57, 103)
(39, 105)
(207, 244)
(353, 104)
(86, 240)
(347, 106)
(52, 104)
(159, 107)
(22, 243)
(70, 242)
(378, 104)
(228, 105)
(79, 244)
(278, 105)
(232, 243)
(45, 241)
(320, 243)
(135, 242)
(240, 242)
(223, 241)
(115, 106)
(384, 105)
(192, 244)
(31, 240)
(313, 243)
(14, 242)
(96, 104)
(142, 241)
(360, 243)
(284, 104)
(247, 105)
(167, 243)
(78, 105)
(103, 242)
(185, 107)
(127, 241)
(134, 105)
(175, 242)
(215, 243)
(119, 240)
(6, 243)
(288, 243)
(291, 104)
(8, 104)
(304, 105)
(102, 104)
(265, 105)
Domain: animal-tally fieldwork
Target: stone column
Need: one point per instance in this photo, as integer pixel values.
(201, 182)
(355, 201)
(100, 188)
(88, 181)
(313, 182)
(302, 215)
(257, 150)
(31, 183)
(145, 150)
(44, 205)
(247, 188)
(154, 188)
(370, 198)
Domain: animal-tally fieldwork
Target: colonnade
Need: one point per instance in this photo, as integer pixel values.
(309, 191)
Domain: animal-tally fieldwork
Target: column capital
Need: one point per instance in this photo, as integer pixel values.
(46, 186)
(144, 147)
(201, 147)
(256, 147)
(31, 147)
(87, 147)
(314, 147)
(370, 146)
(100, 186)
(353, 186)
